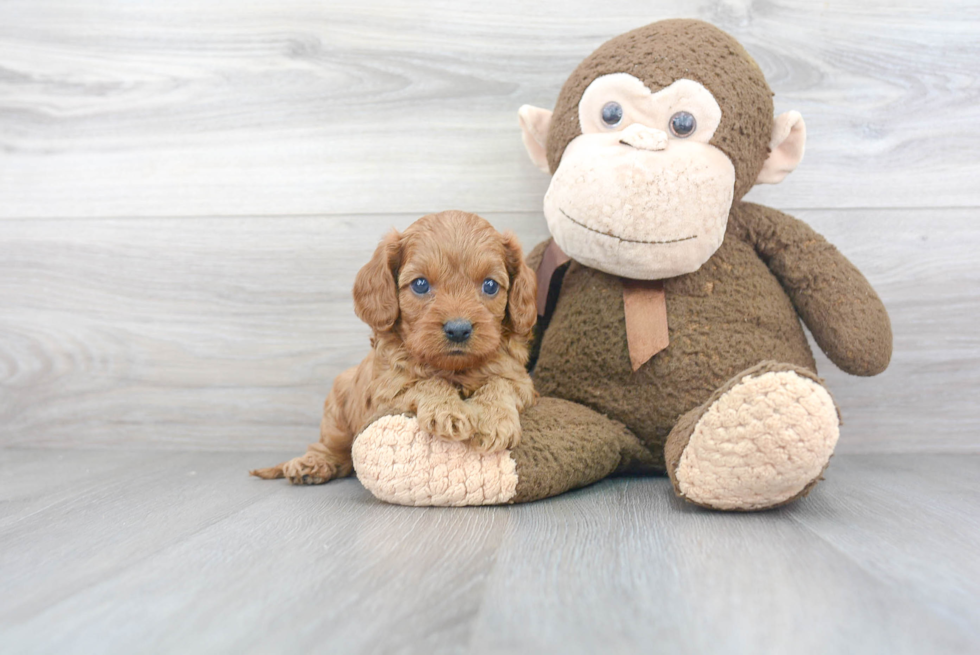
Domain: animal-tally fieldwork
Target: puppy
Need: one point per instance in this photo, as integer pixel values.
(451, 304)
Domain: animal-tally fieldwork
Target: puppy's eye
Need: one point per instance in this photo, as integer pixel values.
(420, 286)
(683, 124)
(490, 287)
(612, 114)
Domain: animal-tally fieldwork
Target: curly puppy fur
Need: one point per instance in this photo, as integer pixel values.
(472, 390)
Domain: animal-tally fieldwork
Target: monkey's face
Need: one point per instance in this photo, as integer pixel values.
(641, 192)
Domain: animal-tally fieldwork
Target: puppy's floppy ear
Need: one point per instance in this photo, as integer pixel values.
(522, 309)
(376, 286)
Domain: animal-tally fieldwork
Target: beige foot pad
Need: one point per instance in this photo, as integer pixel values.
(760, 443)
(401, 464)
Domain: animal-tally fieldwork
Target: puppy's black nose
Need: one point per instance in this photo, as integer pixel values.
(457, 330)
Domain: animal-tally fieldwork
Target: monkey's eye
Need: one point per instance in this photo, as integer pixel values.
(490, 287)
(683, 124)
(612, 114)
(420, 286)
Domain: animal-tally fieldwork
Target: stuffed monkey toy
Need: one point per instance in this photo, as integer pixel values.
(669, 309)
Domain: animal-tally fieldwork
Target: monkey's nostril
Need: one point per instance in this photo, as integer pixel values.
(457, 330)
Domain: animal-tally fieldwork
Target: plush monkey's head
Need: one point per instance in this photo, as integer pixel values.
(653, 137)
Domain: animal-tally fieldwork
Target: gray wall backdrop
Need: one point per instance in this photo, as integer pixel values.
(188, 188)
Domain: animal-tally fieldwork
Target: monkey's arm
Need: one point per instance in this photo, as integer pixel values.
(845, 315)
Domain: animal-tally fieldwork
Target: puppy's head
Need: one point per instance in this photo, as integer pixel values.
(452, 287)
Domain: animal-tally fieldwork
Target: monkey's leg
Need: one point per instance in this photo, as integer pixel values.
(760, 441)
(563, 446)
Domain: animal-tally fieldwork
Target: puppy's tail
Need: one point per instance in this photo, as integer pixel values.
(271, 473)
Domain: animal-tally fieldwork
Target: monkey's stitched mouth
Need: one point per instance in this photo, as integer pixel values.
(624, 239)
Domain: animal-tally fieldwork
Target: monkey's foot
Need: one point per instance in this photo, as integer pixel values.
(762, 440)
(400, 463)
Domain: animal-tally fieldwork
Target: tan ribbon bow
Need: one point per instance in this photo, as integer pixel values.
(644, 304)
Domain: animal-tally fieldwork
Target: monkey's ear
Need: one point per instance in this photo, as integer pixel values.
(785, 148)
(534, 131)
(376, 285)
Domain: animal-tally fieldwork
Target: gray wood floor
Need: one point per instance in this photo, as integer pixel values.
(123, 552)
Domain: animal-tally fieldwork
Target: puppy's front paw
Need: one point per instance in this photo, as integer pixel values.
(449, 420)
(499, 429)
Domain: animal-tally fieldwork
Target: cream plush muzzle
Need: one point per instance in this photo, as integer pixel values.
(638, 213)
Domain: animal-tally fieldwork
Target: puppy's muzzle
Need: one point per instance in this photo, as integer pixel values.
(457, 330)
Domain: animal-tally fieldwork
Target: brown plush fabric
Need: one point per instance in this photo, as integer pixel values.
(724, 318)
(681, 434)
(567, 446)
(533, 258)
(845, 315)
(741, 308)
(669, 50)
